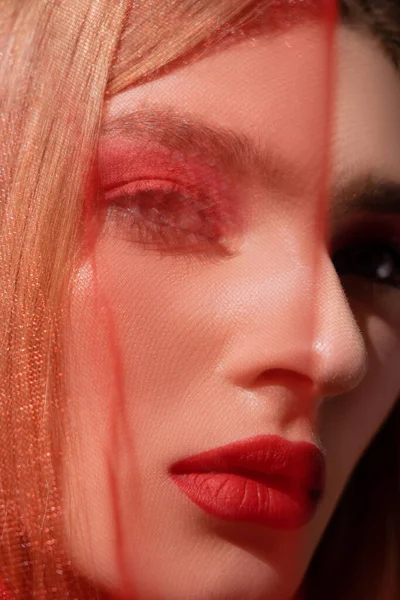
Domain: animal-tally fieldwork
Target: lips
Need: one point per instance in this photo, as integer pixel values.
(266, 480)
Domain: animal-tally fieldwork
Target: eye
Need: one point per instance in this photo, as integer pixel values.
(163, 214)
(371, 259)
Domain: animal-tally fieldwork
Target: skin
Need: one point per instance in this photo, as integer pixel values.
(212, 350)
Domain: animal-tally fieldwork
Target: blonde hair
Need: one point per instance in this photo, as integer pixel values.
(60, 60)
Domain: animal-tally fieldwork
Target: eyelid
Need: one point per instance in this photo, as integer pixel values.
(143, 184)
(367, 226)
(123, 162)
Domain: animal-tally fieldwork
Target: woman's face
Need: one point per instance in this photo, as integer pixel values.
(210, 312)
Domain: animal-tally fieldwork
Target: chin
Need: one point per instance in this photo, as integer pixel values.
(223, 572)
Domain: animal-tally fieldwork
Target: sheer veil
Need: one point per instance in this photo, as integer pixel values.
(61, 65)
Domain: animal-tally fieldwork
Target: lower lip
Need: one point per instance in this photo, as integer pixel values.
(237, 497)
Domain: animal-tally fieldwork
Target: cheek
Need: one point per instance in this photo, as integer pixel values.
(141, 345)
(136, 322)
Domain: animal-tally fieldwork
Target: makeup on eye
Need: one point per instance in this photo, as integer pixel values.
(369, 247)
(167, 198)
(374, 260)
(366, 216)
(162, 212)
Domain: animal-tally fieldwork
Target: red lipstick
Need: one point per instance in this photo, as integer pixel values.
(266, 480)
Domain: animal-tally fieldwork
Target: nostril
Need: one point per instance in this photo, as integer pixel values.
(291, 387)
(288, 378)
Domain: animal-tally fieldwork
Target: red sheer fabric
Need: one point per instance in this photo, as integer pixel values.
(4, 593)
(235, 152)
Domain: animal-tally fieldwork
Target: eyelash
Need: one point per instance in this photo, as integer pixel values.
(162, 214)
(372, 257)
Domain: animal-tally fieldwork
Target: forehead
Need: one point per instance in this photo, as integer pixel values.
(282, 90)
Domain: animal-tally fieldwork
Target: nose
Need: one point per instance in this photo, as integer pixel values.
(338, 348)
(297, 324)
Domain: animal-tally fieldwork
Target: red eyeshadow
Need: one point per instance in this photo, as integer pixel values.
(123, 166)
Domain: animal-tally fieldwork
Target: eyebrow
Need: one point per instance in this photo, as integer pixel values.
(367, 193)
(188, 135)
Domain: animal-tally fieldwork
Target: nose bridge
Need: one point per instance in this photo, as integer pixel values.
(277, 311)
(296, 319)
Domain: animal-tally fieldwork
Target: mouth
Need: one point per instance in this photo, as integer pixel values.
(265, 480)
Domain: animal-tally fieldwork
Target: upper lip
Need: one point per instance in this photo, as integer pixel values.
(279, 461)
